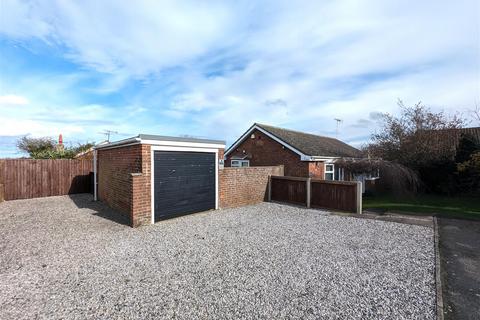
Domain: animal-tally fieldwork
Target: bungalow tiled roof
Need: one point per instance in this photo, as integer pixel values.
(313, 145)
(308, 144)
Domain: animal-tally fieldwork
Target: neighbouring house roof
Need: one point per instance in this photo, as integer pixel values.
(305, 144)
(450, 138)
(162, 140)
(454, 135)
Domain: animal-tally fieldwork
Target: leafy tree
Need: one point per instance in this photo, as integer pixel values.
(467, 146)
(35, 145)
(46, 148)
(83, 147)
(469, 174)
(468, 165)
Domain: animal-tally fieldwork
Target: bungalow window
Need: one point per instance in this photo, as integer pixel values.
(240, 163)
(329, 172)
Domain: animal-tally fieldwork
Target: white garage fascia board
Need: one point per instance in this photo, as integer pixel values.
(119, 144)
(154, 148)
(138, 140)
(182, 144)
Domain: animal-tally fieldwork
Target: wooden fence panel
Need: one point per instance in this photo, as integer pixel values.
(337, 195)
(2, 187)
(27, 178)
(289, 189)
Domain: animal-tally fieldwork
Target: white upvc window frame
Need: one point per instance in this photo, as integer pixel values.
(239, 163)
(329, 171)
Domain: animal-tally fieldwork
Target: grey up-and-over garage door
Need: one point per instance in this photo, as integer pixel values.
(184, 182)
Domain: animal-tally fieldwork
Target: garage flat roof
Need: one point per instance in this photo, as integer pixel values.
(162, 140)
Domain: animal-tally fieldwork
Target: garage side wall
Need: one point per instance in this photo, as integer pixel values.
(245, 186)
(115, 179)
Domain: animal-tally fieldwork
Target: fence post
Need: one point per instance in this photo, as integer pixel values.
(270, 188)
(359, 197)
(309, 191)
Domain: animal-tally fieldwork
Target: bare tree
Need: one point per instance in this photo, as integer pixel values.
(416, 137)
(476, 113)
(394, 178)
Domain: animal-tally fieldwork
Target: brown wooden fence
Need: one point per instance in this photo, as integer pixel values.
(26, 178)
(336, 195)
(288, 189)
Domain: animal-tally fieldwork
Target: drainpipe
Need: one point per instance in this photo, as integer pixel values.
(94, 175)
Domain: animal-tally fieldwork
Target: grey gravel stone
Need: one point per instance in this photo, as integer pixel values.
(61, 257)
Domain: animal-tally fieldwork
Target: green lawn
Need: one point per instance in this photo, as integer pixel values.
(452, 207)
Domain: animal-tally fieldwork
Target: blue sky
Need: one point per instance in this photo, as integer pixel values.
(211, 68)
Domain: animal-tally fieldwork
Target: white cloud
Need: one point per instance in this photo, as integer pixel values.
(123, 37)
(14, 127)
(226, 61)
(13, 100)
(18, 19)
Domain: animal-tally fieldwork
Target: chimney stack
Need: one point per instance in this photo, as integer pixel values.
(60, 142)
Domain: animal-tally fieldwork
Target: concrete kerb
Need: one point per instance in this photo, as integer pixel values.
(438, 273)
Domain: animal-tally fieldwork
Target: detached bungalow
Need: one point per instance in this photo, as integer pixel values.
(302, 154)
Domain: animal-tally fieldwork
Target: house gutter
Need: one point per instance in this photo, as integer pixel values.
(321, 158)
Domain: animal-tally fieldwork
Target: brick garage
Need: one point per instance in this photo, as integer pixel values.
(186, 176)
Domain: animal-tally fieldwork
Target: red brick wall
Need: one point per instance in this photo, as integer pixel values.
(265, 151)
(114, 180)
(245, 186)
(141, 191)
(124, 181)
(220, 153)
(316, 169)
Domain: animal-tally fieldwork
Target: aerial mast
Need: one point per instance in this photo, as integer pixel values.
(107, 134)
(339, 121)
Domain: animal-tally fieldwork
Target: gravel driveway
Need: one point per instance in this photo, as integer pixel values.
(61, 257)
